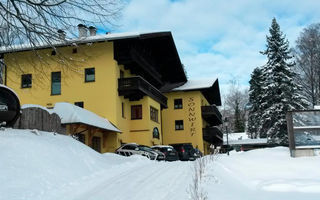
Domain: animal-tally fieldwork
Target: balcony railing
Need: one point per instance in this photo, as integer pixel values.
(136, 87)
(212, 115)
(213, 135)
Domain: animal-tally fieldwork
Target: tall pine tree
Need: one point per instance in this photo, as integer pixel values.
(279, 92)
(255, 92)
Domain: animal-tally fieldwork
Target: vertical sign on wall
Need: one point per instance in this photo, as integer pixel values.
(192, 115)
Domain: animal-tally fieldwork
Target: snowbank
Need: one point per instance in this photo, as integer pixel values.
(268, 173)
(39, 165)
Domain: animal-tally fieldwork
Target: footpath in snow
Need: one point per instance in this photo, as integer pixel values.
(44, 166)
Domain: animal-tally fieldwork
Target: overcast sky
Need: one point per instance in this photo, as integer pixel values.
(220, 38)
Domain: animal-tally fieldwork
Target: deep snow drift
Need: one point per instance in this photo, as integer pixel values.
(41, 166)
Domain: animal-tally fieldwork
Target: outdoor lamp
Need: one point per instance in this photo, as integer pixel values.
(226, 124)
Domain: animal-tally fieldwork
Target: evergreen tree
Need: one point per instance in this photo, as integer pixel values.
(255, 92)
(279, 92)
(238, 122)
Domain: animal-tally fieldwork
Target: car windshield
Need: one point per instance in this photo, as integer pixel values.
(145, 148)
(188, 147)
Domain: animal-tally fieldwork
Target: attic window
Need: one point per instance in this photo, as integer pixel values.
(26, 80)
(74, 50)
(53, 53)
(89, 75)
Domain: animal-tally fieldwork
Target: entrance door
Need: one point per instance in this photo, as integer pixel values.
(96, 143)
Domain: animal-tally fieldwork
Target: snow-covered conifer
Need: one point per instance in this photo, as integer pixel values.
(254, 100)
(279, 91)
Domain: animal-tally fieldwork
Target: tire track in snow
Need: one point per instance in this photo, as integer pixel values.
(157, 180)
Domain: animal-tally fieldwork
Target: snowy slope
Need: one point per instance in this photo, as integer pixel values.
(265, 174)
(40, 165)
(43, 166)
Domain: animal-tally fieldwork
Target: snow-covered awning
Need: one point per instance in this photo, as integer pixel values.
(72, 114)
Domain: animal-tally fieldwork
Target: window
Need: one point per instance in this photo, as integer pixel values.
(179, 124)
(96, 143)
(53, 53)
(136, 112)
(74, 50)
(178, 104)
(155, 133)
(153, 114)
(82, 138)
(122, 109)
(89, 74)
(80, 104)
(121, 74)
(55, 83)
(26, 80)
(129, 147)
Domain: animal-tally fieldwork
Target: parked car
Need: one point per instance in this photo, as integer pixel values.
(170, 153)
(185, 151)
(136, 149)
(197, 153)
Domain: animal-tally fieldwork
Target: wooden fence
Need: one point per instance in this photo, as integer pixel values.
(40, 119)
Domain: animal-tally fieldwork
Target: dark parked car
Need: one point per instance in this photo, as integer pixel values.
(185, 151)
(135, 149)
(197, 153)
(170, 153)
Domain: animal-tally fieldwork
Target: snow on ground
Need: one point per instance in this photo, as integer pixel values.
(43, 166)
(265, 174)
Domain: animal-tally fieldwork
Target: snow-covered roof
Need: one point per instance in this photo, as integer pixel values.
(242, 138)
(235, 136)
(317, 107)
(71, 114)
(247, 141)
(196, 84)
(74, 41)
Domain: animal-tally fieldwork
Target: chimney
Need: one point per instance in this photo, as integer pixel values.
(92, 30)
(61, 34)
(82, 30)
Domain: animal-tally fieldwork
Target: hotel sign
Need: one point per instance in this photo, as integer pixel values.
(192, 115)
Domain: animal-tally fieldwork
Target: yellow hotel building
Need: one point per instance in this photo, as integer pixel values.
(134, 80)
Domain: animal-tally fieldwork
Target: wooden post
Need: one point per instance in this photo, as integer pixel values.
(292, 145)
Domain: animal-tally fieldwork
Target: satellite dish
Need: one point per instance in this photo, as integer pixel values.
(9, 106)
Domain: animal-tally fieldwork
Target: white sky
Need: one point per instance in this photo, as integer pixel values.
(220, 38)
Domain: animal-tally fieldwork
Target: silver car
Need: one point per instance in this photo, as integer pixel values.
(136, 149)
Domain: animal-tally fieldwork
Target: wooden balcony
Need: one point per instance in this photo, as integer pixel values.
(212, 115)
(213, 135)
(135, 88)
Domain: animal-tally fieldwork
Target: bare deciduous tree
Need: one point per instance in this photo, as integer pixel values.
(36, 21)
(234, 106)
(307, 55)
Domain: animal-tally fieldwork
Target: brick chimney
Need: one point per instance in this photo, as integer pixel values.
(92, 30)
(61, 34)
(82, 31)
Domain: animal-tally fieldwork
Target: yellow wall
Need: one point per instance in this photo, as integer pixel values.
(191, 116)
(100, 97)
